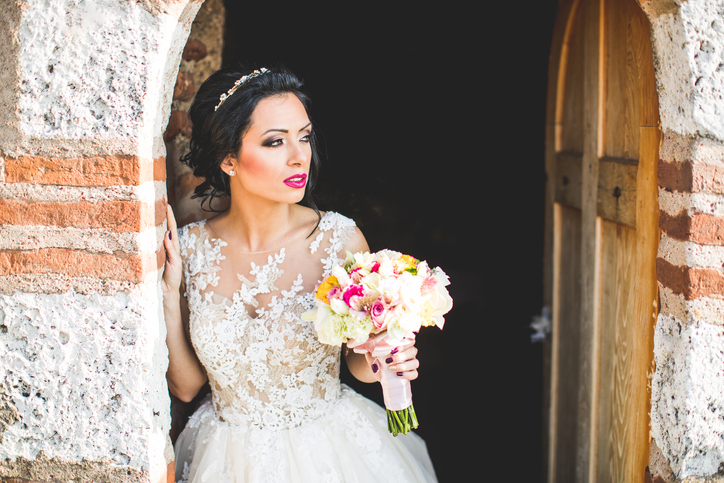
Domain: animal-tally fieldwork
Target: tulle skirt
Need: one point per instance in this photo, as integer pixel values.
(350, 443)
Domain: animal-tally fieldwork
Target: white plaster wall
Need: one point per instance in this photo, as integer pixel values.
(687, 414)
(85, 375)
(689, 49)
(99, 69)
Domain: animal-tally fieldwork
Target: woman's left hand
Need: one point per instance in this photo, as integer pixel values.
(402, 361)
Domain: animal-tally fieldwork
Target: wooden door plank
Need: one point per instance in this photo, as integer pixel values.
(556, 78)
(569, 118)
(566, 320)
(615, 81)
(617, 190)
(592, 147)
(568, 181)
(617, 324)
(645, 308)
(634, 47)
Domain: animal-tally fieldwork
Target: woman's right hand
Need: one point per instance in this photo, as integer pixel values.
(172, 270)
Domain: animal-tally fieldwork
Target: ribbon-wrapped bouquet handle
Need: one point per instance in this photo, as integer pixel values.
(376, 302)
(396, 391)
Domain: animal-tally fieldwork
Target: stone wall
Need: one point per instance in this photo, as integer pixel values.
(687, 413)
(87, 87)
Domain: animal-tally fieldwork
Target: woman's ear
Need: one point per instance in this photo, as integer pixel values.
(227, 165)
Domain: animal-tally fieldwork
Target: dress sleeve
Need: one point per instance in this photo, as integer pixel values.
(342, 230)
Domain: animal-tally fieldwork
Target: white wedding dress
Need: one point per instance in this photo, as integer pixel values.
(277, 411)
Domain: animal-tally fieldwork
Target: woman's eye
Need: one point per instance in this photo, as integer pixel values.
(305, 139)
(272, 143)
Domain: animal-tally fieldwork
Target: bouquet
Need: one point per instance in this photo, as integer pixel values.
(376, 302)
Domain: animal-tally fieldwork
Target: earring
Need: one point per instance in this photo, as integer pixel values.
(232, 172)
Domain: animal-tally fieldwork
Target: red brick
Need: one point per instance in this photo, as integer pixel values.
(118, 216)
(170, 476)
(674, 176)
(159, 169)
(185, 88)
(688, 177)
(77, 263)
(74, 263)
(689, 281)
(701, 228)
(194, 50)
(178, 123)
(93, 171)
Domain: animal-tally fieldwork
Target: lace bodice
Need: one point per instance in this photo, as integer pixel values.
(264, 363)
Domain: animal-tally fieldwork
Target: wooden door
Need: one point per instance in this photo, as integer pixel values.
(602, 142)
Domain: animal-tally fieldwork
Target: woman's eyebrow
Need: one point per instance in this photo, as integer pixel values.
(286, 130)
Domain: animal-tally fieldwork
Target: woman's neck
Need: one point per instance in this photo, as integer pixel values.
(259, 226)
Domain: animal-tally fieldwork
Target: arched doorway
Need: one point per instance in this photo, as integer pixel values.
(602, 142)
(420, 123)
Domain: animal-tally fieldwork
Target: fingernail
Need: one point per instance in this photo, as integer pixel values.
(399, 374)
(170, 237)
(375, 368)
(394, 351)
(388, 360)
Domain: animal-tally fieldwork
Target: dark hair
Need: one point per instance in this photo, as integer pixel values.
(217, 133)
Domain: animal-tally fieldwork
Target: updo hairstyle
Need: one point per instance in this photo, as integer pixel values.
(217, 133)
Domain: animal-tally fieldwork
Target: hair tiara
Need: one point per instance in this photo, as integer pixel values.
(238, 84)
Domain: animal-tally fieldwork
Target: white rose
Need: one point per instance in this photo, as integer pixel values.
(403, 324)
(441, 303)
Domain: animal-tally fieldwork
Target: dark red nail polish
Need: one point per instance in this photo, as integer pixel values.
(399, 374)
(375, 368)
(394, 351)
(388, 360)
(170, 237)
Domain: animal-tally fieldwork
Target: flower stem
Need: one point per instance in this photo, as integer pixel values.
(402, 421)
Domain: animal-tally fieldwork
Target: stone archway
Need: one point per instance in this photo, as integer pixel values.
(87, 88)
(82, 210)
(687, 389)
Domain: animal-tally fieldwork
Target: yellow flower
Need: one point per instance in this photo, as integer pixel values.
(325, 287)
(405, 262)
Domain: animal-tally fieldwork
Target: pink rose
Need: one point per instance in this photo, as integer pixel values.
(352, 290)
(378, 311)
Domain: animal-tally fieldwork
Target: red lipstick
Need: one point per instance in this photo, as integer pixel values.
(297, 181)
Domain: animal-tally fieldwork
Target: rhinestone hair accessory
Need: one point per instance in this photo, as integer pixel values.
(240, 82)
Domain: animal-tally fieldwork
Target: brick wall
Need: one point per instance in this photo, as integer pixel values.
(82, 217)
(687, 384)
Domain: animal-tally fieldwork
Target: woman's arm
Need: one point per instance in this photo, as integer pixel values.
(403, 363)
(185, 374)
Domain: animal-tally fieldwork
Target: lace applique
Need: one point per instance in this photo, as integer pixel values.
(266, 371)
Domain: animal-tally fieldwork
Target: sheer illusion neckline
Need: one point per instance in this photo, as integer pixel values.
(275, 257)
(259, 252)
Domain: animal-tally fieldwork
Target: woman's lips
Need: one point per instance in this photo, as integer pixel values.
(296, 181)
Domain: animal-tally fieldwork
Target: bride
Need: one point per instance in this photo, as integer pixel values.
(234, 289)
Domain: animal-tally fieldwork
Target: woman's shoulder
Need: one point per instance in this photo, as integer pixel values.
(194, 229)
(192, 237)
(331, 220)
(345, 233)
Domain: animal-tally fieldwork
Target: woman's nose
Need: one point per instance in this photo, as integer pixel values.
(299, 155)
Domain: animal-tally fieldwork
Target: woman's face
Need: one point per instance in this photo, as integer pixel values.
(273, 162)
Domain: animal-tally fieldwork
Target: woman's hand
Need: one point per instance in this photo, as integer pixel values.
(402, 361)
(172, 269)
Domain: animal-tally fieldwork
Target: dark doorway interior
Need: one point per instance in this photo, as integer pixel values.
(432, 121)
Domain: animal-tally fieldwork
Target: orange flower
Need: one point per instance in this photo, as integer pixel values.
(324, 288)
(406, 262)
